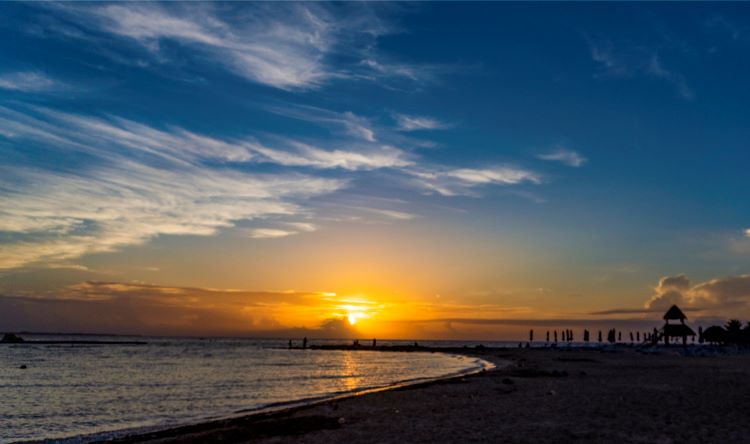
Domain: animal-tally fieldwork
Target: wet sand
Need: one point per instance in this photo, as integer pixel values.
(543, 396)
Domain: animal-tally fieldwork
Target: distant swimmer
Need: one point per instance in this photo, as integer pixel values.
(304, 342)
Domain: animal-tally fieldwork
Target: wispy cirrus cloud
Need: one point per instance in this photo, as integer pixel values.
(30, 81)
(59, 216)
(137, 183)
(351, 124)
(463, 181)
(300, 154)
(416, 123)
(657, 69)
(283, 49)
(637, 62)
(270, 233)
(288, 46)
(564, 156)
(283, 229)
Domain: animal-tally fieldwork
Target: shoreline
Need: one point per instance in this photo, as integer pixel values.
(543, 395)
(278, 409)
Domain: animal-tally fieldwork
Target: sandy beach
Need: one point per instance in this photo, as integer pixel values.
(543, 395)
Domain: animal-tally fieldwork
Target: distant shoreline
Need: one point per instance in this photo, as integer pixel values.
(72, 342)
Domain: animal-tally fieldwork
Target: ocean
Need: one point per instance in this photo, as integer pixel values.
(69, 391)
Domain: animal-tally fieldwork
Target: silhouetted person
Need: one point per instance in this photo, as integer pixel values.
(638, 336)
(547, 335)
(600, 336)
(631, 336)
(304, 342)
(585, 336)
(531, 335)
(555, 336)
(619, 336)
(374, 343)
(700, 335)
(290, 344)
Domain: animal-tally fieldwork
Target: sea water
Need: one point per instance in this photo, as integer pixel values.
(73, 390)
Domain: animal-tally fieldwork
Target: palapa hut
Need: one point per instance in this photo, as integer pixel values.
(676, 330)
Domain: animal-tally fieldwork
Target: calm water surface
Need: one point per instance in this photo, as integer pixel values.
(75, 390)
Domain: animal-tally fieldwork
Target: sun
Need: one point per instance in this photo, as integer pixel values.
(352, 317)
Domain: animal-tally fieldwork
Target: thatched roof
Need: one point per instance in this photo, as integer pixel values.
(675, 330)
(674, 313)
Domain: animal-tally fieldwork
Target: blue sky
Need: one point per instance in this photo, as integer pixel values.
(584, 149)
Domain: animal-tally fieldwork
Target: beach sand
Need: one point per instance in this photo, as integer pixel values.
(543, 396)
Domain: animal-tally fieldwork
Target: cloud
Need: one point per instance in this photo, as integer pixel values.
(127, 182)
(395, 70)
(301, 154)
(716, 296)
(565, 156)
(461, 181)
(142, 308)
(137, 183)
(415, 123)
(391, 214)
(290, 46)
(29, 81)
(611, 64)
(279, 47)
(351, 124)
(657, 69)
(637, 62)
(270, 233)
(285, 229)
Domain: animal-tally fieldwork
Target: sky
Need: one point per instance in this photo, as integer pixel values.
(401, 170)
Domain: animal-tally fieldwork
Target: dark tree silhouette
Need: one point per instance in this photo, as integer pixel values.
(734, 331)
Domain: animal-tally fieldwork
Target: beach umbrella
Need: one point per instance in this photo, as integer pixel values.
(715, 334)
